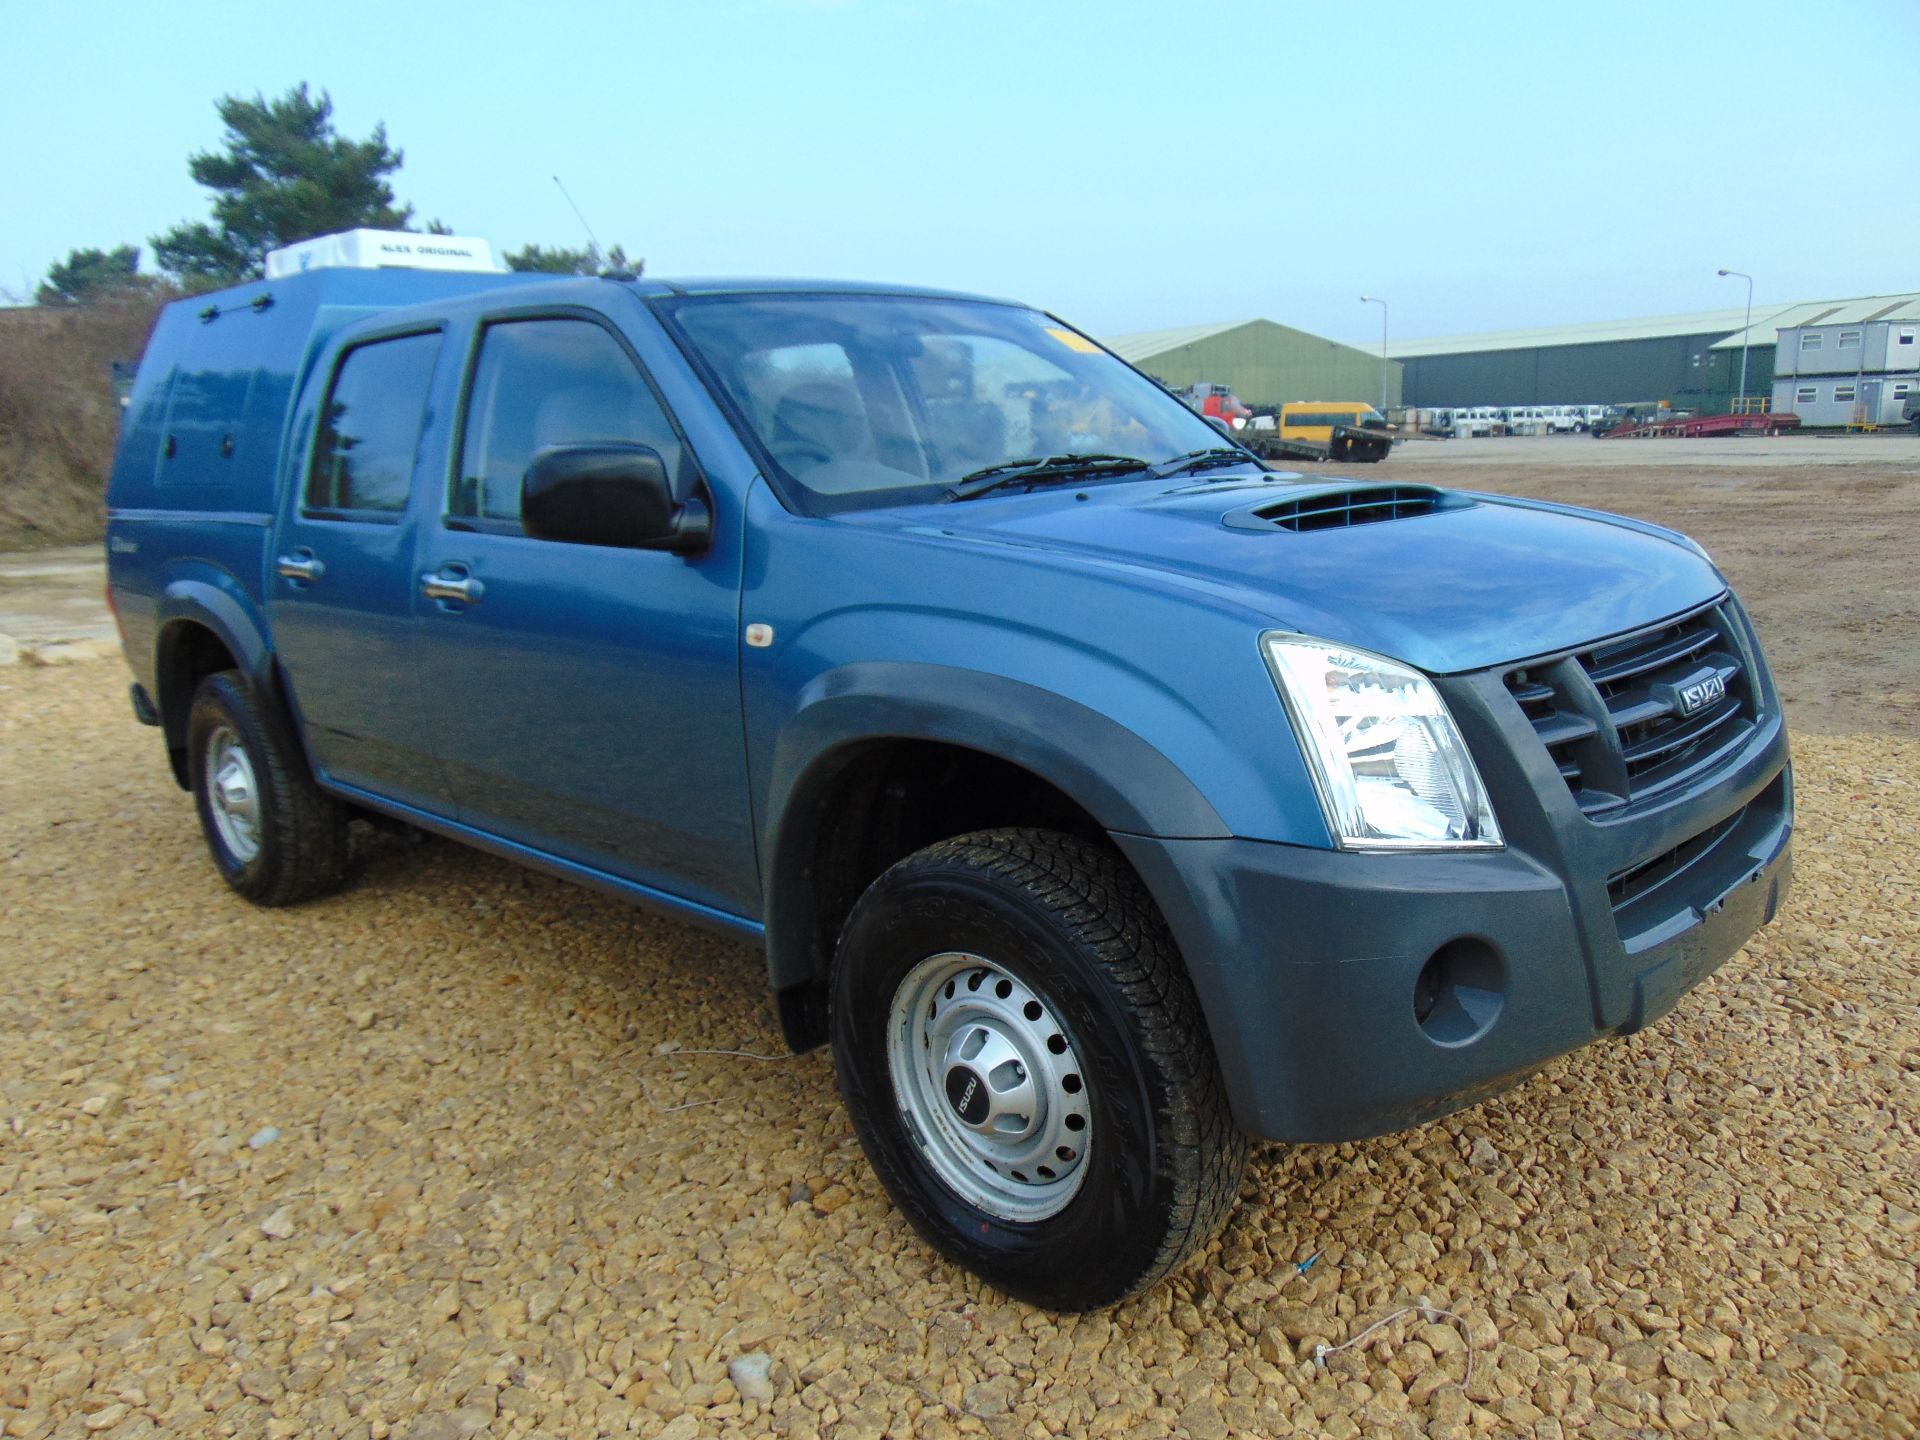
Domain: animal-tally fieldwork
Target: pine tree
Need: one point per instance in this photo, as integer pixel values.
(561, 260)
(89, 275)
(283, 175)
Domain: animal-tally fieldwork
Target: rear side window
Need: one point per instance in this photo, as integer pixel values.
(549, 382)
(370, 429)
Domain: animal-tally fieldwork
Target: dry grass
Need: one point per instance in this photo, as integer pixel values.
(59, 417)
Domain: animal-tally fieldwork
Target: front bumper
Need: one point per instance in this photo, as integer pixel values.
(1309, 963)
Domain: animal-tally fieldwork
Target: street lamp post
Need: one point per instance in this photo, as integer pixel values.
(1376, 300)
(1746, 333)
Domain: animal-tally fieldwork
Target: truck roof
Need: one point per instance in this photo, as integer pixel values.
(395, 287)
(751, 285)
(220, 371)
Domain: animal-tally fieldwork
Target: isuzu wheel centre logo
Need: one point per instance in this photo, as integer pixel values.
(963, 1090)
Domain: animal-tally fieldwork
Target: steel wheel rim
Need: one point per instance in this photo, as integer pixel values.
(990, 1089)
(233, 795)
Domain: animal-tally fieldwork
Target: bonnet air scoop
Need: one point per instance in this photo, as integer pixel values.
(1344, 508)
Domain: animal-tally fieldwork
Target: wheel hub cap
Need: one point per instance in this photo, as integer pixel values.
(990, 1086)
(232, 794)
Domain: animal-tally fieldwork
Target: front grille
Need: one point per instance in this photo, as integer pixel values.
(1665, 893)
(1651, 875)
(1353, 507)
(1630, 718)
(1566, 736)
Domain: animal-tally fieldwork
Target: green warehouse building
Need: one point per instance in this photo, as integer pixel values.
(1692, 361)
(1266, 364)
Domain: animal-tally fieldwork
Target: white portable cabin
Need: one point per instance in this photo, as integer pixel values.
(383, 250)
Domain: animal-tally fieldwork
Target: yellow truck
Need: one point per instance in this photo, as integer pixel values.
(1322, 430)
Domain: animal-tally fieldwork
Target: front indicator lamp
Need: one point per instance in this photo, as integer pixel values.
(1389, 763)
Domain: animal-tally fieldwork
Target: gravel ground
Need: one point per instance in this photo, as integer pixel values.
(438, 1157)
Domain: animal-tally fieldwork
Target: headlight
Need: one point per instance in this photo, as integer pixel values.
(1391, 767)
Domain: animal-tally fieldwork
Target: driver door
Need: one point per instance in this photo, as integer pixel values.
(584, 700)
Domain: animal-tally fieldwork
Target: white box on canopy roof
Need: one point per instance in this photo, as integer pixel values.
(382, 250)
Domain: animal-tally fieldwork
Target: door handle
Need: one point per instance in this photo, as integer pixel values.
(300, 565)
(451, 585)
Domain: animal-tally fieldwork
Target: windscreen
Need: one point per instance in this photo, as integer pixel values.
(876, 400)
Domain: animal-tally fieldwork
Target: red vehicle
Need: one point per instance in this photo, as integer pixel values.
(1217, 402)
(1693, 427)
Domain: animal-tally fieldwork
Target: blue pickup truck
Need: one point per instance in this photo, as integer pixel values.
(1106, 799)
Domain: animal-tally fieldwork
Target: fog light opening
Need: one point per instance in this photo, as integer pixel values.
(1426, 987)
(1459, 992)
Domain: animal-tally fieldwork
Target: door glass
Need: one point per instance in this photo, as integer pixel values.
(542, 383)
(370, 428)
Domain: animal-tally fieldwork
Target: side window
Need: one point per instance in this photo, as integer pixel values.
(542, 383)
(370, 427)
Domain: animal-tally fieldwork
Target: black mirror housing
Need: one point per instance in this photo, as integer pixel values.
(610, 494)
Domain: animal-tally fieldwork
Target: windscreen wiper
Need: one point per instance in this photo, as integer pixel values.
(1040, 470)
(1209, 459)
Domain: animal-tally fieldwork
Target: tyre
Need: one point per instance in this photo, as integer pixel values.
(276, 838)
(1028, 1069)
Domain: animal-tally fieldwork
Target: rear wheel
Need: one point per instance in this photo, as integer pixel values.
(275, 836)
(1028, 1069)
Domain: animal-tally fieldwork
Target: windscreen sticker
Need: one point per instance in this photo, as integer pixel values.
(1074, 342)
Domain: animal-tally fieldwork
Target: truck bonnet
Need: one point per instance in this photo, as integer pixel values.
(1442, 580)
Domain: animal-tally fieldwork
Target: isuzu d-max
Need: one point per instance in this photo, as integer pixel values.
(1104, 798)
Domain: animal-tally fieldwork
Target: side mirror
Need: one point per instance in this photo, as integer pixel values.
(610, 495)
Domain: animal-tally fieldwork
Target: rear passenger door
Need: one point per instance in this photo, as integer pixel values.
(340, 595)
(585, 701)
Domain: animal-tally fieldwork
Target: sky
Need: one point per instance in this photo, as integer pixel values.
(1481, 166)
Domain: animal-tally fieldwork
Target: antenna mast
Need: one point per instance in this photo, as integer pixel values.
(592, 239)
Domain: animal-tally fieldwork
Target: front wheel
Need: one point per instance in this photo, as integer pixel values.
(1028, 1069)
